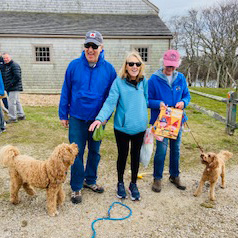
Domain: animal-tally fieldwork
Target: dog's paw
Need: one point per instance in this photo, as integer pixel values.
(222, 186)
(53, 214)
(197, 193)
(212, 199)
(15, 201)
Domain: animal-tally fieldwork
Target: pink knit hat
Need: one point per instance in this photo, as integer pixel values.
(171, 58)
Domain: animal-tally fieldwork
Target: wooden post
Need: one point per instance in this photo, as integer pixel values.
(231, 113)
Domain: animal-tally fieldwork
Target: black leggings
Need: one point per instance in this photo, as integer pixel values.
(123, 140)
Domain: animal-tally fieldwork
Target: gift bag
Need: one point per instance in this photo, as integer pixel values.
(168, 122)
(98, 133)
(147, 148)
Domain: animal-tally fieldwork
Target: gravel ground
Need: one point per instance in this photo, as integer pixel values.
(171, 213)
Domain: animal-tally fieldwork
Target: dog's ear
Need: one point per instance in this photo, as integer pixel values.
(73, 149)
(214, 163)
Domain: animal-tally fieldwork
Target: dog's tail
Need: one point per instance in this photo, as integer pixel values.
(226, 155)
(8, 154)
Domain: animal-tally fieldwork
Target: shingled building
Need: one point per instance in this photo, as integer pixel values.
(43, 36)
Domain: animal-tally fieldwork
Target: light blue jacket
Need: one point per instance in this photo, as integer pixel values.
(161, 91)
(130, 101)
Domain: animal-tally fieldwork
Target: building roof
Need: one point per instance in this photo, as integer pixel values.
(81, 6)
(26, 23)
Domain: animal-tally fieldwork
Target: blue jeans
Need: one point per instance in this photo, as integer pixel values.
(2, 127)
(160, 154)
(79, 134)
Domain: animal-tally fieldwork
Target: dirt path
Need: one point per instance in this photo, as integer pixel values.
(172, 213)
(169, 214)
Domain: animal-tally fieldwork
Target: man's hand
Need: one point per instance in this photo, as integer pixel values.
(180, 105)
(94, 124)
(65, 123)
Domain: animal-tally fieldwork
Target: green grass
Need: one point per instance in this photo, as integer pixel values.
(41, 132)
(221, 92)
(212, 104)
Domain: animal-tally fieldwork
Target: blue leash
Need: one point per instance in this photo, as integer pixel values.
(110, 218)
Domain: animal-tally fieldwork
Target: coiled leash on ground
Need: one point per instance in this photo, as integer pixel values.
(111, 218)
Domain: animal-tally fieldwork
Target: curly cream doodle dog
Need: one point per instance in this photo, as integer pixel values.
(28, 172)
(215, 167)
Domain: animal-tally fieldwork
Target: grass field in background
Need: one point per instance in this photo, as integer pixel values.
(41, 132)
(211, 104)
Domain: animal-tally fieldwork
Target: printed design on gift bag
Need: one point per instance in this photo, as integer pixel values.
(168, 123)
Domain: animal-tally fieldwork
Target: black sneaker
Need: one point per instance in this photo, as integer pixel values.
(3, 130)
(21, 118)
(134, 192)
(11, 121)
(76, 197)
(121, 192)
(94, 187)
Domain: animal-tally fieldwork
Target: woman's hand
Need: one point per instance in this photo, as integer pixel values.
(180, 105)
(161, 105)
(95, 124)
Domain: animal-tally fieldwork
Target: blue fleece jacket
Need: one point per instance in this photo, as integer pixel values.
(85, 88)
(130, 101)
(1, 85)
(160, 90)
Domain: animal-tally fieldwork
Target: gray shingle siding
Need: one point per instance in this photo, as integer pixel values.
(62, 24)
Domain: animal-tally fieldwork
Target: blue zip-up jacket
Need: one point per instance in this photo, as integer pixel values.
(159, 90)
(130, 101)
(85, 88)
(1, 85)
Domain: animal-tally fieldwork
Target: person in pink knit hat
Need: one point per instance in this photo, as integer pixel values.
(167, 87)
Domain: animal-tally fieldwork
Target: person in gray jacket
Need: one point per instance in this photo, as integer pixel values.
(13, 86)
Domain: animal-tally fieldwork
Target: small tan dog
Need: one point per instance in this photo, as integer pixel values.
(215, 167)
(50, 174)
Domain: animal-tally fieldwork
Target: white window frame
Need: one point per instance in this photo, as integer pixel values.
(148, 47)
(42, 46)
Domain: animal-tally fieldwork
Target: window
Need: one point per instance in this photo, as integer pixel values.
(43, 54)
(144, 53)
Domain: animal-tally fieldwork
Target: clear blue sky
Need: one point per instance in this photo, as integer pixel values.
(169, 8)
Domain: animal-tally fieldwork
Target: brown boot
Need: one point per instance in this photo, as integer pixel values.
(156, 187)
(176, 181)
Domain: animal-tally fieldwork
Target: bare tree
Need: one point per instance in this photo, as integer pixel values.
(209, 39)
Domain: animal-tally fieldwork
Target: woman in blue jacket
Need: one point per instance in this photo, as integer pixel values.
(129, 95)
(167, 87)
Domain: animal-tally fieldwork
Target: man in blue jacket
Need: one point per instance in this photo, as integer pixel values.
(86, 87)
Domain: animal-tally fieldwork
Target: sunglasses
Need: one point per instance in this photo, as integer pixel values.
(88, 45)
(131, 64)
